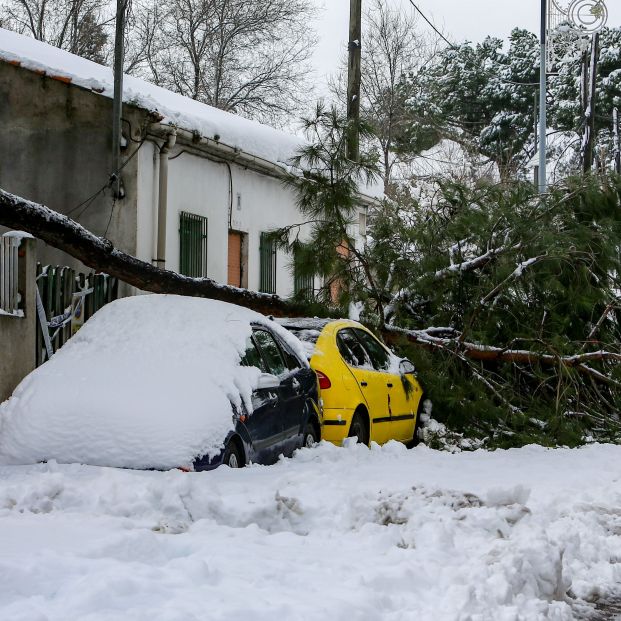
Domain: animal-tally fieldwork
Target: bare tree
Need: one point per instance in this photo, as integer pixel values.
(392, 49)
(244, 56)
(78, 26)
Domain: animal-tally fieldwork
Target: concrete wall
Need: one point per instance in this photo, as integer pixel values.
(55, 149)
(18, 334)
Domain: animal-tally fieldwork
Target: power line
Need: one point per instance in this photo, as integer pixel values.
(432, 26)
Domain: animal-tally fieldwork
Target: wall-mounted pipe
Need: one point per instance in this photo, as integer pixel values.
(162, 199)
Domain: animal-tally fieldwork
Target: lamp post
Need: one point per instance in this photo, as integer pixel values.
(585, 17)
(543, 85)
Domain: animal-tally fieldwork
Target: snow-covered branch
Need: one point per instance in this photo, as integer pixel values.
(450, 340)
(99, 253)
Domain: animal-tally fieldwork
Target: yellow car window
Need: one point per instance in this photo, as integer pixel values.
(352, 351)
(378, 355)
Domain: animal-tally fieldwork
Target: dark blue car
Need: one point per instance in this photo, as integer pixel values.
(285, 413)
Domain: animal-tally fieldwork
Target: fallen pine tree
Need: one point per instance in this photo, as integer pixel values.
(561, 389)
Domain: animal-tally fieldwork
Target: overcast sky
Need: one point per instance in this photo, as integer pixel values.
(457, 19)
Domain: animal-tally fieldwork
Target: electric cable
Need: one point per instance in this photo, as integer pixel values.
(451, 45)
(89, 201)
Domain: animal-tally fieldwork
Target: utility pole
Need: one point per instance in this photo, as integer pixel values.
(617, 140)
(543, 86)
(353, 79)
(588, 140)
(117, 103)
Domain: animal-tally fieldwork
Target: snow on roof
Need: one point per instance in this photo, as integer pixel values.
(148, 382)
(251, 137)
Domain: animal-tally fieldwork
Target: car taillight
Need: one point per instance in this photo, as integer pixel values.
(324, 380)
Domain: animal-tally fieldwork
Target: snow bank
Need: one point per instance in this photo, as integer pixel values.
(341, 534)
(146, 383)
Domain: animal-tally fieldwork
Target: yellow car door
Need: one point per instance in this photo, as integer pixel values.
(373, 384)
(404, 392)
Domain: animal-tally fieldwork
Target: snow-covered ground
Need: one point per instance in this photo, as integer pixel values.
(335, 533)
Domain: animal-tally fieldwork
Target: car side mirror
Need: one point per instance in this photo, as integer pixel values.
(267, 381)
(406, 367)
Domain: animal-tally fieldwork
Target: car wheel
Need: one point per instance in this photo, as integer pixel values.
(358, 428)
(310, 436)
(232, 456)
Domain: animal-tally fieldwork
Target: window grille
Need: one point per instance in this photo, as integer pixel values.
(303, 286)
(192, 245)
(267, 249)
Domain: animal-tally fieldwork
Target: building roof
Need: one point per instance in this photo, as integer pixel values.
(248, 136)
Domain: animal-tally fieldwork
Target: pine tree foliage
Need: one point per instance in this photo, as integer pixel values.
(484, 97)
(503, 291)
(328, 196)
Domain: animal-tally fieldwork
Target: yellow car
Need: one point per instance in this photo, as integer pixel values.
(366, 390)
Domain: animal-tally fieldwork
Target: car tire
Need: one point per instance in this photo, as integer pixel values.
(232, 456)
(359, 428)
(309, 439)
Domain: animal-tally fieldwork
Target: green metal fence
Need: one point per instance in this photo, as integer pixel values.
(65, 295)
(192, 245)
(267, 279)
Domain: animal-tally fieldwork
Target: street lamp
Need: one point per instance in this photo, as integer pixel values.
(583, 17)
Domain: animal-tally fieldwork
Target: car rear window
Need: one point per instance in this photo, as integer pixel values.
(308, 338)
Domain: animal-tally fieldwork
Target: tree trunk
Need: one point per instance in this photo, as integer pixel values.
(99, 254)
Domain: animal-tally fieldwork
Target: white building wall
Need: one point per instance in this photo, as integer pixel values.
(231, 198)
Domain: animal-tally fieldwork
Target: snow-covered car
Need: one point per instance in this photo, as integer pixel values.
(163, 381)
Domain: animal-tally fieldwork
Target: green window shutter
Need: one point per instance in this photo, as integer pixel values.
(192, 245)
(267, 250)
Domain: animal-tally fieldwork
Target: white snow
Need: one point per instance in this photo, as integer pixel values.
(344, 534)
(18, 235)
(148, 382)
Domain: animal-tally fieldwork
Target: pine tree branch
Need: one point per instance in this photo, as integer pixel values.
(484, 353)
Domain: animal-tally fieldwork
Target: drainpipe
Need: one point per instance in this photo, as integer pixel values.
(162, 201)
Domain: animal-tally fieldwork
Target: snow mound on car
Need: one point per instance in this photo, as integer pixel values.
(148, 382)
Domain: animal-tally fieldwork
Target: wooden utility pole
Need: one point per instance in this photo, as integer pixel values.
(353, 79)
(117, 102)
(588, 140)
(617, 140)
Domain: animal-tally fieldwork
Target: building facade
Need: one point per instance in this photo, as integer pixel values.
(217, 180)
